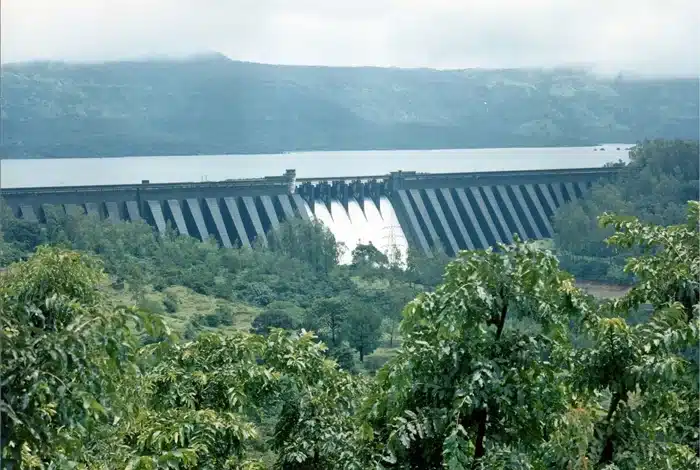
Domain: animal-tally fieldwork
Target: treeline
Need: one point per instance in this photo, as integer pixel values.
(655, 186)
(504, 365)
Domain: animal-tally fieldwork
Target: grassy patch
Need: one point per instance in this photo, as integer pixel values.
(603, 291)
(189, 305)
(371, 284)
(373, 362)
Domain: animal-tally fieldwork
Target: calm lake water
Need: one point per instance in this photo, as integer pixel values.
(127, 170)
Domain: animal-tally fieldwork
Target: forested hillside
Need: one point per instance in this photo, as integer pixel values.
(213, 105)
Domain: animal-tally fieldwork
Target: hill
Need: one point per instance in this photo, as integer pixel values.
(213, 105)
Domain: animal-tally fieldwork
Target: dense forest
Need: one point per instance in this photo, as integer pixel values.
(125, 349)
(213, 105)
(660, 177)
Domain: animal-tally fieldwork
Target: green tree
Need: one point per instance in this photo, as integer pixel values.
(316, 426)
(194, 415)
(68, 358)
(363, 329)
(424, 270)
(391, 303)
(648, 372)
(329, 316)
(205, 398)
(488, 376)
(9, 253)
(455, 394)
(21, 233)
(344, 356)
(369, 256)
(311, 242)
(263, 323)
(258, 293)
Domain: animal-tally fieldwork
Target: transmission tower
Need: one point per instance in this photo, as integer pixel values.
(392, 247)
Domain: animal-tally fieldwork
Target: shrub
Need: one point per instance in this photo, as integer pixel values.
(222, 316)
(170, 302)
(159, 285)
(191, 331)
(224, 313)
(152, 306)
(258, 293)
(374, 362)
(272, 319)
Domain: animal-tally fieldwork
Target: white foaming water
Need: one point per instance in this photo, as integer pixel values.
(322, 215)
(360, 228)
(378, 226)
(375, 225)
(345, 232)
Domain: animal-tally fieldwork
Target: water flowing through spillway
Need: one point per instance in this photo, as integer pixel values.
(376, 225)
(359, 224)
(374, 221)
(344, 231)
(323, 215)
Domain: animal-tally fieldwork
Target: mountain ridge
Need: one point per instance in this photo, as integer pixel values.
(210, 104)
(584, 68)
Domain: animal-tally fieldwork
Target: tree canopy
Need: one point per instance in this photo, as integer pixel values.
(655, 186)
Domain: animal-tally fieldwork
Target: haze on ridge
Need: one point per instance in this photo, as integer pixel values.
(644, 37)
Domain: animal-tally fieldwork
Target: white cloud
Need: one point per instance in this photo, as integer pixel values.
(651, 36)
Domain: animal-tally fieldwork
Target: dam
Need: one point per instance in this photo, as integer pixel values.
(404, 210)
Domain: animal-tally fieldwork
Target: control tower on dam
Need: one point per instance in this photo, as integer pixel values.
(455, 211)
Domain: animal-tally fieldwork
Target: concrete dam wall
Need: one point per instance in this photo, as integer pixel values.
(456, 211)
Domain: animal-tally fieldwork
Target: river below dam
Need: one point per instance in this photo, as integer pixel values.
(16, 173)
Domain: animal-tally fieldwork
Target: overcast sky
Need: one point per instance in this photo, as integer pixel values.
(648, 36)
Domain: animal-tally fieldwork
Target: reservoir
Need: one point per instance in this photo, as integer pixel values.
(129, 170)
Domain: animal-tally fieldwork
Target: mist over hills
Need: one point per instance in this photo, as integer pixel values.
(213, 105)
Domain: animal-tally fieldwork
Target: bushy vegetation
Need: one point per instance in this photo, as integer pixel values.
(506, 364)
(296, 282)
(654, 186)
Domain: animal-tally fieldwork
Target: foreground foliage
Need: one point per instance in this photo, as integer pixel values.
(68, 358)
(506, 365)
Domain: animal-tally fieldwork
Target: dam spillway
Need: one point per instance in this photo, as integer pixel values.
(456, 211)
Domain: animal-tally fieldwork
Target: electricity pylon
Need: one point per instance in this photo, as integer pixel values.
(392, 247)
